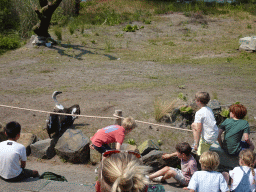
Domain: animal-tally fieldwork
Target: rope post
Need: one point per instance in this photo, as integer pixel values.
(119, 113)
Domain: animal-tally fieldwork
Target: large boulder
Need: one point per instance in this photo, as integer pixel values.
(73, 146)
(155, 160)
(148, 146)
(95, 156)
(3, 137)
(43, 149)
(227, 162)
(27, 139)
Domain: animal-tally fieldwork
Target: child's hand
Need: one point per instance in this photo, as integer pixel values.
(91, 147)
(185, 188)
(166, 156)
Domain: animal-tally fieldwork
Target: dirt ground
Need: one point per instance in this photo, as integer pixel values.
(124, 78)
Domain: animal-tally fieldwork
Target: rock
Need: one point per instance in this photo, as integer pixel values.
(214, 105)
(148, 146)
(43, 149)
(128, 147)
(73, 146)
(3, 137)
(227, 162)
(27, 139)
(155, 160)
(95, 156)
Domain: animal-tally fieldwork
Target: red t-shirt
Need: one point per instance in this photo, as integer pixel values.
(109, 134)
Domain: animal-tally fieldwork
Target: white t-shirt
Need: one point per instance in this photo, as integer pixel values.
(11, 153)
(236, 174)
(209, 128)
(210, 181)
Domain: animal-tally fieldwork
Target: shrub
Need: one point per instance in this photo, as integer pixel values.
(130, 28)
(58, 33)
(9, 42)
(163, 108)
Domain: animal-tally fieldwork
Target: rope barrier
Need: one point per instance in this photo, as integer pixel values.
(98, 117)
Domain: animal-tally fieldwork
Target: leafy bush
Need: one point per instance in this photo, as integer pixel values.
(58, 33)
(130, 28)
(225, 113)
(9, 42)
(163, 108)
(186, 110)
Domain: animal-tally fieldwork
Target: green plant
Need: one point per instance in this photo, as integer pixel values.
(225, 113)
(170, 43)
(97, 34)
(147, 22)
(58, 33)
(249, 26)
(119, 35)
(131, 142)
(182, 97)
(186, 110)
(93, 41)
(9, 42)
(163, 108)
(130, 28)
(159, 142)
(109, 45)
(82, 29)
(71, 29)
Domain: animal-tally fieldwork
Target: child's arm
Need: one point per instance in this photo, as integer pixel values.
(168, 156)
(118, 146)
(22, 164)
(219, 137)
(197, 130)
(247, 140)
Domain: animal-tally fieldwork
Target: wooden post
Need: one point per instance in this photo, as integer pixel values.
(119, 113)
(118, 121)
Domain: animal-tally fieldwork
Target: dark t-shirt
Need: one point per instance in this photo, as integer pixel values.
(234, 130)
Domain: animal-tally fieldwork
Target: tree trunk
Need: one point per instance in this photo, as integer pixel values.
(45, 14)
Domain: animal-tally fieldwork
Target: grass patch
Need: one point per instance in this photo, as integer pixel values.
(162, 108)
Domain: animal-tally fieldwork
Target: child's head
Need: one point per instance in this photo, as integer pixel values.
(12, 129)
(123, 172)
(246, 157)
(183, 148)
(238, 110)
(209, 161)
(128, 123)
(202, 97)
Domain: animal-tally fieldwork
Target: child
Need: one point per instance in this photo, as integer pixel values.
(188, 166)
(13, 156)
(112, 134)
(235, 128)
(204, 127)
(208, 179)
(243, 177)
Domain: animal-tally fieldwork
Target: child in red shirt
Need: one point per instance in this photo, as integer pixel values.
(112, 134)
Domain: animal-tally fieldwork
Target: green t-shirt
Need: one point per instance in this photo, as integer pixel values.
(234, 130)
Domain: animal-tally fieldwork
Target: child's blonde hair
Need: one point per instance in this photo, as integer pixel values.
(248, 158)
(128, 123)
(203, 97)
(209, 161)
(123, 172)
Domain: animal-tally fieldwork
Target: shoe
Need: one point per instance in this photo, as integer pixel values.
(158, 179)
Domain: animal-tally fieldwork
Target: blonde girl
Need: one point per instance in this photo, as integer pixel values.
(243, 177)
(122, 171)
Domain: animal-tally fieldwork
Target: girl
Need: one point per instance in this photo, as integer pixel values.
(243, 177)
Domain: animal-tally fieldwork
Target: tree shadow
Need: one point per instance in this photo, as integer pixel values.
(80, 48)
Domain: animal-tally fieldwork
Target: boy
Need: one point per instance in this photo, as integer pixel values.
(188, 166)
(235, 128)
(207, 179)
(204, 127)
(13, 156)
(112, 134)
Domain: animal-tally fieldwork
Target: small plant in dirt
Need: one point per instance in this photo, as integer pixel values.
(163, 108)
(71, 30)
(82, 29)
(147, 21)
(109, 45)
(93, 41)
(225, 113)
(170, 43)
(119, 35)
(159, 142)
(131, 142)
(142, 27)
(97, 34)
(130, 28)
(249, 26)
(181, 96)
(58, 33)
(186, 110)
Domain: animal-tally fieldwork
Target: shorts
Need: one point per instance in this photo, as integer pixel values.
(102, 149)
(179, 176)
(203, 146)
(25, 173)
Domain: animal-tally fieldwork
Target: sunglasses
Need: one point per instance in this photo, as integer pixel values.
(111, 152)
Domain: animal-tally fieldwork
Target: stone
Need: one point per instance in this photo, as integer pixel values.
(155, 160)
(214, 105)
(95, 156)
(148, 146)
(73, 146)
(27, 139)
(227, 162)
(43, 149)
(128, 147)
(3, 137)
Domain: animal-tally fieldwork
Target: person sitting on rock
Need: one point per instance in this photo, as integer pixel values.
(208, 179)
(13, 156)
(235, 128)
(122, 171)
(205, 130)
(188, 166)
(112, 134)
